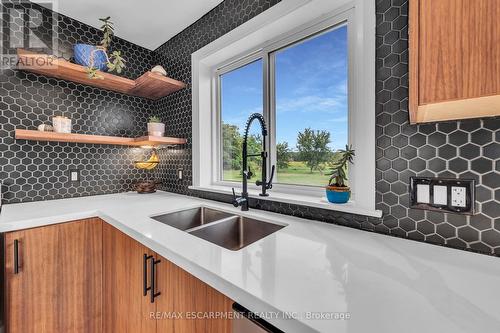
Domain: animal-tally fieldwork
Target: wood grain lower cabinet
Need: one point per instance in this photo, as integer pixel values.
(126, 308)
(87, 276)
(182, 303)
(54, 284)
(195, 306)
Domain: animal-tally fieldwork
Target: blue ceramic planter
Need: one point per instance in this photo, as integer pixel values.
(82, 54)
(338, 197)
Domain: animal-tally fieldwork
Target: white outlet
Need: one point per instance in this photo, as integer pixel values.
(458, 196)
(74, 175)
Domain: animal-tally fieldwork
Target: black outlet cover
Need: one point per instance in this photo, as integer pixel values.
(469, 185)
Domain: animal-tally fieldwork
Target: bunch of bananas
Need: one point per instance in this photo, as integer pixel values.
(150, 164)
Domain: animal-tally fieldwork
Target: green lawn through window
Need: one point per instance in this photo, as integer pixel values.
(297, 173)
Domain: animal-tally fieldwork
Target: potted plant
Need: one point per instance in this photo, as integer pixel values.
(337, 191)
(95, 57)
(155, 126)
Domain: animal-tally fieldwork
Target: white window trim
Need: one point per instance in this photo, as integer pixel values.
(216, 120)
(281, 25)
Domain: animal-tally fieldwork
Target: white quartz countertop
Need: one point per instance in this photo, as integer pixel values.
(307, 273)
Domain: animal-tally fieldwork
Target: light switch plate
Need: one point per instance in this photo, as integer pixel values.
(423, 193)
(440, 195)
(446, 195)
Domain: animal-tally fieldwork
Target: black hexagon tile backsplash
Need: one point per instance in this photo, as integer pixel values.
(37, 171)
(459, 149)
(467, 149)
(175, 56)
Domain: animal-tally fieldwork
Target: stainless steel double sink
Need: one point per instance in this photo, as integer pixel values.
(230, 231)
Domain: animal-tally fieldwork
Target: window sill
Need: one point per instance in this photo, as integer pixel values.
(310, 201)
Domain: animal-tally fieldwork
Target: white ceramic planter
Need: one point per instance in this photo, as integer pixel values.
(156, 129)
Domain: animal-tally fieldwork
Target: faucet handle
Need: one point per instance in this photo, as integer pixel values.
(249, 173)
(269, 184)
(240, 201)
(235, 200)
(266, 185)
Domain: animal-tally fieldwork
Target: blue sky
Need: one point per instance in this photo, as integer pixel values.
(311, 89)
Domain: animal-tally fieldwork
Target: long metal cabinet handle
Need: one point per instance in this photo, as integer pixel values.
(260, 324)
(145, 273)
(16, 256)
(153, 280)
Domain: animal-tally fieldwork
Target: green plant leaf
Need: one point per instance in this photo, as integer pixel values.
(116, 62)
(92, 73)
(339, 167)
(154, 119)
(107, 29)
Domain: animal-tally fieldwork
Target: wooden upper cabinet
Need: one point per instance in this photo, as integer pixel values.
(454, 59)
(57, 286)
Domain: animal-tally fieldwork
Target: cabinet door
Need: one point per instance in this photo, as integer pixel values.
(454, 59)
(190, 302)
(165, 286)
(58, 285)
(126, 309)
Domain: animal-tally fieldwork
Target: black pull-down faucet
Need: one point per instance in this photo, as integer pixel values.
(247, 174)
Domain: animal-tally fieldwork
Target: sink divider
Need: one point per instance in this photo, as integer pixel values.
(226, 219)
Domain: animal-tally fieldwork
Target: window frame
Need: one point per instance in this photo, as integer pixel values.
(276, 24)
(217, 124)
(267, 52)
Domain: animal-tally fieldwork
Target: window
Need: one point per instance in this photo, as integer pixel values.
(305, 65)
(311, 107)
(308, 113)
(240, 95)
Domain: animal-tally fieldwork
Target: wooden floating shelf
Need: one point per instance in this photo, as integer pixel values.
(96, 139)
(150, 85)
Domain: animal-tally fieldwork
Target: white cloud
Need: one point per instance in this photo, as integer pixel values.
(339, 88)
(313, 103)
(337, 120)
(246, 89)
(239, 117)
(318, 74)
